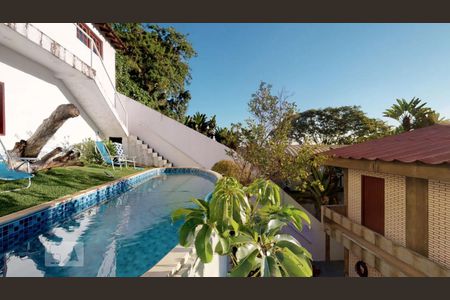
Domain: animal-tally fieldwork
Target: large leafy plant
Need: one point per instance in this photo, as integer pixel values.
(323, 187)
(247, 224)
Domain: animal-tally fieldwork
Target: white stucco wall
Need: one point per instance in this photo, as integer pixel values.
(31, 94)
(180, 144)
(313, 239)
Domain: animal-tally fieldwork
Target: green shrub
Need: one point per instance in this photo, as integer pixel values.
(89, 153)
(230, 168)
(227, 168)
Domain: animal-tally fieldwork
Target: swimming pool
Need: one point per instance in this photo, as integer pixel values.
(124, 236)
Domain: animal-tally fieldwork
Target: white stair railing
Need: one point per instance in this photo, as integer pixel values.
(116, 102)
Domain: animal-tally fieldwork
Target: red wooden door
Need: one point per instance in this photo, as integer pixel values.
(2, 109)
(372, 203)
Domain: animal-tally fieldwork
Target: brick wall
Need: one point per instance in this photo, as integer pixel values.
(352, 260)
(395, 208)
(439, 221)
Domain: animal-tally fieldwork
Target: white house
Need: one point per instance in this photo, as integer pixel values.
(43, 65)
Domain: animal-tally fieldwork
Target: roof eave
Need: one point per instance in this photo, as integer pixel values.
(107, 31)
(416, 169)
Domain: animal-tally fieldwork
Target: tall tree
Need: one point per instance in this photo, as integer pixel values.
(264, 139)
(412, 114)
(337, 125)
(153, 68)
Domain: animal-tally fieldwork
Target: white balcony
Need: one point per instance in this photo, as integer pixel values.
(83, 73)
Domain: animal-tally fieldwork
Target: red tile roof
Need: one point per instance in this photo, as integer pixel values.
(294, 149)
(429, 145)
(110, 35)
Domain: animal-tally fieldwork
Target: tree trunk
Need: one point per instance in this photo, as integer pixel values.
(57, 158)
(33, 146)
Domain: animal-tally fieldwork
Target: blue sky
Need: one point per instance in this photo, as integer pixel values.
(319, 64)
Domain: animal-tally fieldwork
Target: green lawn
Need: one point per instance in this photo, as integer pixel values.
(55, 183)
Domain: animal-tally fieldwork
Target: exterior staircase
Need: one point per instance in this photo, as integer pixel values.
(145, 155)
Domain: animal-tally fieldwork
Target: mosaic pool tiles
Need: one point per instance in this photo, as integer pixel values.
(16, 231)
(198, 172)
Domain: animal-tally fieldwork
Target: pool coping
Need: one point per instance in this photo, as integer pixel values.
(178, 261)
(36, 208)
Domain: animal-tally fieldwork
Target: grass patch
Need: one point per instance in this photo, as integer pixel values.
(54, 184)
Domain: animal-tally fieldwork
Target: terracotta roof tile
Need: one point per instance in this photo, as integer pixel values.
(294, 149)
(110, 35)
(429, 145)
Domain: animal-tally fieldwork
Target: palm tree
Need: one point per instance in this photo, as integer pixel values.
(211, 127)
(229, 137)
(412, 114)
(200, 123)
(430, 118)
(323, 188)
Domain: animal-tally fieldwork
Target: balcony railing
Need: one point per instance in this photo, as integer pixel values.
(377, 251)
(92, 66)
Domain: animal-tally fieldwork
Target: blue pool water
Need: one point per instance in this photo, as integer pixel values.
(122, 237)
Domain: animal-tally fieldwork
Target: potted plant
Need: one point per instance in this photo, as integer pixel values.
(247, 223)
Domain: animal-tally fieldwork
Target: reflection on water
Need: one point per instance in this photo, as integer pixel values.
(123, 237)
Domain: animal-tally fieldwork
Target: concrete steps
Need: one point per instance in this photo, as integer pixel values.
(145, 155)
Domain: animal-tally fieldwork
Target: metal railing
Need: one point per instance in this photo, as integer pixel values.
(116, 102)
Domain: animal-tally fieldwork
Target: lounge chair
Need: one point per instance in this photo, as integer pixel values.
(10, 174)
(106, 155)
(122, 157)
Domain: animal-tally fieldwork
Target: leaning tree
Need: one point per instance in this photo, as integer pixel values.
(32, 147)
